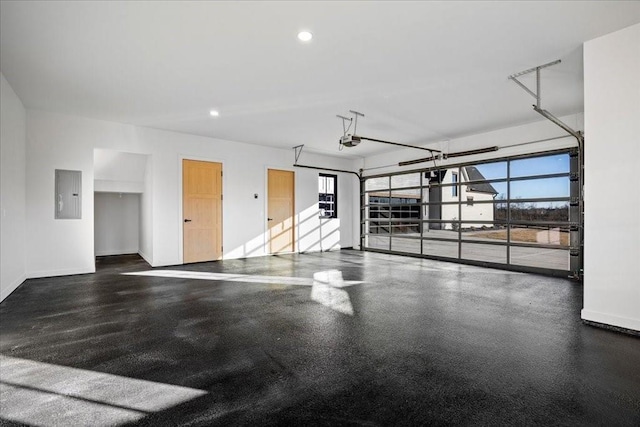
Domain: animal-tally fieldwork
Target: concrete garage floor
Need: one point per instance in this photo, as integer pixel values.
(376, 339)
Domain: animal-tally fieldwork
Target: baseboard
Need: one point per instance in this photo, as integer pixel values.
(64, 272)
(145, 257)
(609, 321)
(163, 263)
(117, 252)
(612, 328)
(4, 293)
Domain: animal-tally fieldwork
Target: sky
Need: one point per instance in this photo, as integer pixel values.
(526, 189)
(536, 188)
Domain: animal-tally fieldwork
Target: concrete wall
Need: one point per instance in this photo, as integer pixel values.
(12, 190)
(56, 141)
(612, 151)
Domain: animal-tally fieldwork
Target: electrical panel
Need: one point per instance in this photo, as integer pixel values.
(68, 196)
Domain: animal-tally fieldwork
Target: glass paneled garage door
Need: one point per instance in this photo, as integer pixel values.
(520, 213)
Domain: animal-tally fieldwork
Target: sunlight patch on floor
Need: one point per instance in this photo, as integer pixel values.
(227, 277)
(44, 394)
(326, 291)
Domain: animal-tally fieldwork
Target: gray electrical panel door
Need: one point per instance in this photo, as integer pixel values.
(68, 197)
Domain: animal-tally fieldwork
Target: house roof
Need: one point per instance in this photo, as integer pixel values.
(473, 174)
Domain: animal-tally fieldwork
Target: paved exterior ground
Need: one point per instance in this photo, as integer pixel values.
(339, 338)
(555, 259)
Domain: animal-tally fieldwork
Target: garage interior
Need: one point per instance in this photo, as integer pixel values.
(329, 213)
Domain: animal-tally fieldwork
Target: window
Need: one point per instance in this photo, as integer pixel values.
(481, 213)
(328, 195)
(454, 180)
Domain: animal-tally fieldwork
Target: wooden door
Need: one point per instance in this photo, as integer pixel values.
(202, 211)
(280, 211)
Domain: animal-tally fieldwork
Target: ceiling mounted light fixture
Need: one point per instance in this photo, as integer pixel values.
(214, 113)
(305, 36)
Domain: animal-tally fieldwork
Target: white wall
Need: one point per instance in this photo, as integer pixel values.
(612, 206)
(58, 247)
(12, 190)
(117, 223)
(118, 172)
(58, 141)
(146, 214)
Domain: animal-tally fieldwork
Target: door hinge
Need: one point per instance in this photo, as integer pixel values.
(221, 197)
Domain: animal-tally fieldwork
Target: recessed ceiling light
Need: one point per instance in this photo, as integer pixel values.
(214, 113)
(305, 36)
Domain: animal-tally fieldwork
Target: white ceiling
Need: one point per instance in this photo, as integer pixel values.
(421, 71)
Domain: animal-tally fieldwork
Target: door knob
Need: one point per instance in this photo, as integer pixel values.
(269, 219)
(187, 220)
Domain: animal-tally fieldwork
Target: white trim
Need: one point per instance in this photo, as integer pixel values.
(608, 319)
(145, 257)
(64, 272)
(181, 157)
(163, 263)
(12, 286)
(131, 251)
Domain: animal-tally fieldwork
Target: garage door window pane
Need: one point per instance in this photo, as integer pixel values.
(540, 257)
(540, 188)
(440, 248)
(540, 211)
(381, 183)
(405, 180)
(545, 165)
(410, 246)
(378, 242)
(488, 253)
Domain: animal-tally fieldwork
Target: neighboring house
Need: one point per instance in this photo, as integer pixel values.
(476, 196)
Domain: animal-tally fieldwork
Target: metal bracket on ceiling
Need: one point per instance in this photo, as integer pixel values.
(298, 151)
(537, 69)
(352, 121)
(345, 128)
(538, 96)
(355, 120)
